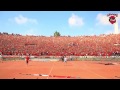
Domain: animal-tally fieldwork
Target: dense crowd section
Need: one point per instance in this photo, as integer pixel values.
(102, 45)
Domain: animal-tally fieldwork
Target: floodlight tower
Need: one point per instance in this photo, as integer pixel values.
(116, 31)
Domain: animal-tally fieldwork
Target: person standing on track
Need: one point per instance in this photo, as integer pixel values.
(27, 59)
(62, 58)
(65, 59)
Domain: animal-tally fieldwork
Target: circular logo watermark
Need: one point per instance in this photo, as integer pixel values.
(112, 18)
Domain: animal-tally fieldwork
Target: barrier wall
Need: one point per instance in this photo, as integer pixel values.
(56, 58)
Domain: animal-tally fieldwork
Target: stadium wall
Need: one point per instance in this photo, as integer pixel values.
(57, 58)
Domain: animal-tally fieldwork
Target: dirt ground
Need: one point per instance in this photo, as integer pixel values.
(59, 70)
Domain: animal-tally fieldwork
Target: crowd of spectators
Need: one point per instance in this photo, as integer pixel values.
(102, 45)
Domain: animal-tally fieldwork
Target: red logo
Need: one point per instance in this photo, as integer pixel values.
(112, 18)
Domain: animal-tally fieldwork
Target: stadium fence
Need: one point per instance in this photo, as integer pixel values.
(57, 58)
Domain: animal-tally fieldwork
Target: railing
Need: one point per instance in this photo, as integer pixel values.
(10, 57)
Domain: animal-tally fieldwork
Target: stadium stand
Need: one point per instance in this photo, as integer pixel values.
(102, 45)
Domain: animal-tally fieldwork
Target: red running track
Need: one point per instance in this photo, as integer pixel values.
(58, 70)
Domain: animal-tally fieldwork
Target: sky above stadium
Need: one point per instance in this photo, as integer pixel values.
(73, 23)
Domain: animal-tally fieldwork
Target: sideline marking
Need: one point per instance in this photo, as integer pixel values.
(91, 71)
(51, 70)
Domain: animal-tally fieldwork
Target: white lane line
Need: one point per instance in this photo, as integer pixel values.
(92, 71)
(96, 74)
(51, 70)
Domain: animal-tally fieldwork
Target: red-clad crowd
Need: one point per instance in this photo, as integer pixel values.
(102, 45)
